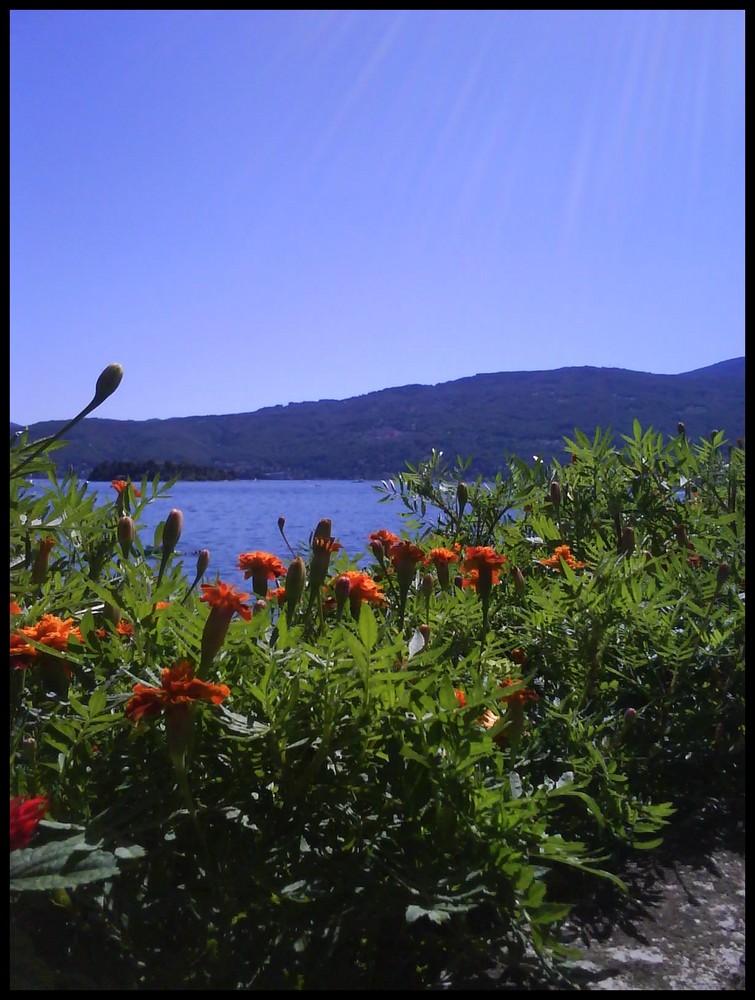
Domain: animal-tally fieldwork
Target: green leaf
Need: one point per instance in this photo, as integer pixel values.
(415, 912)
(549, 913)
(97, 702)
(589, 801)
(64, 864)
(367, 626)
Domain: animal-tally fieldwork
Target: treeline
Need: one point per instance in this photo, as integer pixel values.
(486, 417)
(135, 471)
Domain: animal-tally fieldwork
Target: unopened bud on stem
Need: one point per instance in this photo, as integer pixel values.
(172, 530)
(107, 383)
(126, 534)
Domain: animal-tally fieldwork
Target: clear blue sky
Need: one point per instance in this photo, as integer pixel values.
(255, 207)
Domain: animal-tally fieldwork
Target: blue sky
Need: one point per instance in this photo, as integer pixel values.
(250, 208)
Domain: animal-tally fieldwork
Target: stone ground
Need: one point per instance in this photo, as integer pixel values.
(685, 932)
(683, 927)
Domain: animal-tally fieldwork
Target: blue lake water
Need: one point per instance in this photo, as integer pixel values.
(242, 516)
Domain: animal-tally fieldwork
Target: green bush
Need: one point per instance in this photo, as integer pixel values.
(394, 783)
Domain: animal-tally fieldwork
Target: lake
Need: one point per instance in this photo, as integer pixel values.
(242, 516)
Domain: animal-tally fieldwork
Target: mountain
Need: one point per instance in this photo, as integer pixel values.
(486, 417)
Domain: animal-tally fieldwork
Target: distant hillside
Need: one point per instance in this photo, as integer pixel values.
(486, 417)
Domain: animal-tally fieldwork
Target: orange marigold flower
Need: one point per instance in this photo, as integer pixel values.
(224, 601)
(227, 598)
(482, 557)
(278, 594)
(261, 563)
(49, 631)
(325, 545)
(121, 627)
(362, 590)
(21, 653)
(384, 538)
(472, 579)
(25, 816)
(121, 485)
(442, 557)
(461, 698)
(520, 697)
(565, 553)
(14, 608)
(488, 719)
(179, 688)
(404, 554)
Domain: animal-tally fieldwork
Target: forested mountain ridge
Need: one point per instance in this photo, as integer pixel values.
(486, 417)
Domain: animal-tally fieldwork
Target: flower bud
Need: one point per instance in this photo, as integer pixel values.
(259, 606)
(556, 493)
(126, 534)
(723, 574)
(295, 580)
(627, 540)
(42, 560)
(107, 383)
(342, 590)
(427, 585)
(681, 429)
(324, 528)
(203, 561)
(281, 523)
(172, 530)
(424, 631)
(519, 583)
(377, 550)
(462, 495)
(111, 613)
(630, 715)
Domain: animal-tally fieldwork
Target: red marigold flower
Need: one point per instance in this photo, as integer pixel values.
(442, 557)
(472, 579)
(179, 688)
(565, 553)
(21, 653)
(362, 590)
(121, 627)
(384, 538)
(121, 485)
(520, 697)
(226, 598)
(323, 545)
(488, 719)
(278, 594)
(49, 631)
(320, 544)
(403, 553)
(25, 816)
(261, 567)
(224, 601)
(482, 557)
